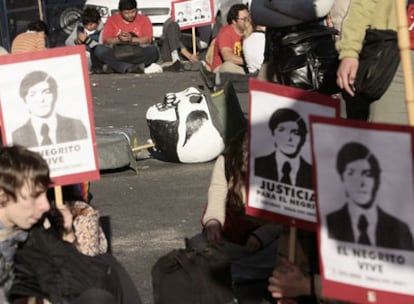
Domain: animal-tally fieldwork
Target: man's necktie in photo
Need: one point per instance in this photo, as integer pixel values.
(44, 132)
(363, 227)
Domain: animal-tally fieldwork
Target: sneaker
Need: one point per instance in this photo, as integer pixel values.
(153, 68)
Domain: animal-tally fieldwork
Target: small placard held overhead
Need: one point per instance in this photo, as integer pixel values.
(192, 13)
(46, 106)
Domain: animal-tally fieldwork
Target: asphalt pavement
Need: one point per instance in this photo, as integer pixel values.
(153, 209)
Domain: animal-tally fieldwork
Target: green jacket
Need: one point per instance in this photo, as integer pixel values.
(363, 14)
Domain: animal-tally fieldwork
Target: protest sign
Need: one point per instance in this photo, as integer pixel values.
(365, 203)
(280, 170)
(46, 106)
(192, 13)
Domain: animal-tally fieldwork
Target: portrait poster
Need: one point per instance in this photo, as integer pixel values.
(365, 207)
(46, 106)
(192, 13)
(279, 138)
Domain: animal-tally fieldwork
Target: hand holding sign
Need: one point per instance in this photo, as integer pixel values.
(288, 281)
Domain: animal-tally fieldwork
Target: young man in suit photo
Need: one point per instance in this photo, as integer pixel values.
(360, 220)
(38, 89)
(285, 164)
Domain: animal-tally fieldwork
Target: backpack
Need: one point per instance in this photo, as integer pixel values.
(193, 276)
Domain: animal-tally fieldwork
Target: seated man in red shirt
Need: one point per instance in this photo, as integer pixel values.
(129, 26)
(228, 44)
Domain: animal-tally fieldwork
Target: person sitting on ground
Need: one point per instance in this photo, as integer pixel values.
(69, 245)
(228, 55)
(128, 26)
(172, 46)
(88, 32)
(24, 179)
(78, 222)
(253, 49)
(34, 39)
(250, 243)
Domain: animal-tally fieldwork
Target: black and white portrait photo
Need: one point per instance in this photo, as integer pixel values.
(360, 219)
(199, 14)
(280, 163)
(181, 18)
(365, 202)
(285, 164)
(39, 91)
(46, 106)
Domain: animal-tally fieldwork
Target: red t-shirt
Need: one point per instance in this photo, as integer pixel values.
(227, 37)
(141, 27)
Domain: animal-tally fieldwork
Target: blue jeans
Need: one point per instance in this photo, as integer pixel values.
(105, 55)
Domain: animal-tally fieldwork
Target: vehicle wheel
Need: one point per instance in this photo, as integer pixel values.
(68, 18)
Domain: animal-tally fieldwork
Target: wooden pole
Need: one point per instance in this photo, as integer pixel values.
(58, 197)
(292, 244)
(405, 53)
(39, 3)
(143, 147)
(193, 34)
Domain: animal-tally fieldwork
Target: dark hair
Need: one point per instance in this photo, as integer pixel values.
(90, 15)
(125, 5)
(38, 26)
(34, 78)
(286, 114)
(193, 123)
(233, 164)
(70, 195)
(353, 151)
(19, 166)
(233, 13)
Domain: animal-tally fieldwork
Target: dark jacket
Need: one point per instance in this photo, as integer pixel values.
(67, 129)
(389, 233)
(266, 167)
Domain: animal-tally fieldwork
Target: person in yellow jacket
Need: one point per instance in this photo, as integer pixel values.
(376, 14)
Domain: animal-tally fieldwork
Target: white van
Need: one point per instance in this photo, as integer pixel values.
(157, 10)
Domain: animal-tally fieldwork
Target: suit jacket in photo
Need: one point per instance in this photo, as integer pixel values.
(266, 166)
(390, 231)
(67, 129)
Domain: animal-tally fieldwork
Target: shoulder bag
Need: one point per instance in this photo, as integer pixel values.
(378, 62)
